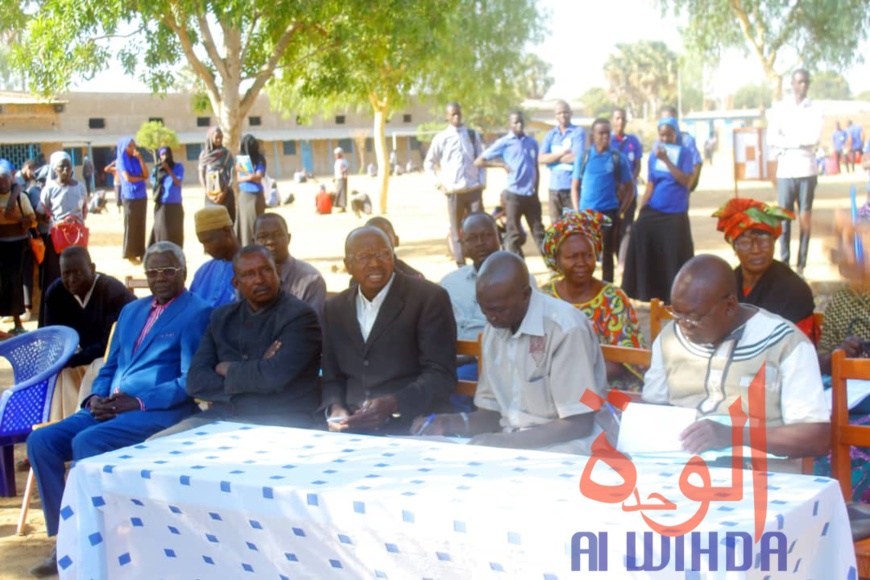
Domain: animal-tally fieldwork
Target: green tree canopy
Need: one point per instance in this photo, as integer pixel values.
(537, 80)
(642, 76)
(814, 32)
(233, 48)
(153, 135)
(753, 96)
(830, 85)
(597, 102)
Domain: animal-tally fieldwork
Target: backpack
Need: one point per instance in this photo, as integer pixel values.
(616, 169)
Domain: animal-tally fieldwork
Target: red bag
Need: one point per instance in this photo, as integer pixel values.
(70, 232)
(37, 246)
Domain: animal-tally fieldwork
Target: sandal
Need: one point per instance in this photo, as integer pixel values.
(17, 331)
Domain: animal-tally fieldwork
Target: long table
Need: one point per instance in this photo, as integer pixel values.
(237, 501)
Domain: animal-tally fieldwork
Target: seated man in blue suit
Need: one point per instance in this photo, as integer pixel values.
(140, 390)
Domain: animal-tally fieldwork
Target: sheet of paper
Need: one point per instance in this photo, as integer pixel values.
(653, 428)
(856, 391)
(673, 155)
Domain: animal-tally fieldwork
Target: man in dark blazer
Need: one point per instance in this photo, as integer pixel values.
(139, 391)
(389, 352)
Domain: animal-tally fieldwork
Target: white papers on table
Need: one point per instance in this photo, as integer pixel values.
(653, 428)
(673, 152)
(856, 391)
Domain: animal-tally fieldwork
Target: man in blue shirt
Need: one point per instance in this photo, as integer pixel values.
(213, 282)
(602, 181)
(630, 146)
(518, 154)
(561, 146)
(687, 141)
(840, 138)
(856, 145)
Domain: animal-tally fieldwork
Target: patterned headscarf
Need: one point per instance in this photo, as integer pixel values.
(742, 214)
(586, 223)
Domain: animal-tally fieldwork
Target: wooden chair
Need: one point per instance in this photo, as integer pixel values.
(657, 317)
(134, 284)
(844, 436)
(630, 356)
(469, 348)
(31, 478)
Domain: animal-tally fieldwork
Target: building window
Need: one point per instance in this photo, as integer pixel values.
(289, 147)
(370, 145)
(415, 144)
(406, 118)
(339, 119)
(255, 121)
(193, 151)
(96, 123)
(155, 120)
(203, 121)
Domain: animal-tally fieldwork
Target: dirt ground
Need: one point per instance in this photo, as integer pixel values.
(419, 215)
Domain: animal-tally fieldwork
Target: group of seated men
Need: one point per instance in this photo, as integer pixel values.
(250, 337)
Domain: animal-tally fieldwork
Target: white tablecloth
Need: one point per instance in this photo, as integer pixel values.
(233, 501)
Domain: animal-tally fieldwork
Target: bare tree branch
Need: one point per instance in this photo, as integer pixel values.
(210, 48)
(268, 67)
(197, 65)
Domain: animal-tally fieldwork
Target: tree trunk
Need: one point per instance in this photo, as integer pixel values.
(381, 107)
(231, 115)
(776, 84)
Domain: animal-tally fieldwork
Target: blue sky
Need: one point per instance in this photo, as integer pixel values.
(582, 35)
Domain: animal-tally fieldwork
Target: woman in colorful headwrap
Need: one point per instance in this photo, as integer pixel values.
(847, 327)
(134, 176)
(61, 199)
(661, 241)
(752, 227)
(216, 172)
(168, 211)
(14, 223)
(252, 200)
(571, 249)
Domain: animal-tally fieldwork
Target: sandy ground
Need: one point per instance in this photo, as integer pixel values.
(419, 215)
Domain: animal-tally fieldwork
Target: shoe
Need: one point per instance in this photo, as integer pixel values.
(23, 465)
(47, 567)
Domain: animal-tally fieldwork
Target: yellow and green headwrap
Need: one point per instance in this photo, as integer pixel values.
(586, 223)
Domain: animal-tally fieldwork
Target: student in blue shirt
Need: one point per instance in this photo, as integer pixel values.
(840, 138)
(168, 211)
(630, 146)
(562, 145)
(602, 181)
(686, 140)
(252, 200)
(661, 241)
(518, 155)
(855, 144)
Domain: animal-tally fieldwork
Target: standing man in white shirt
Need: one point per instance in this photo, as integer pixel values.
(793, 133)
(453, 152)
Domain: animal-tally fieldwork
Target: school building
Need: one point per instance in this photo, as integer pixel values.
(92, 123)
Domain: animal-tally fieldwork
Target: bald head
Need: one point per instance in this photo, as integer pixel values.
(368, 257)
(503, 290)
(704, 299)
(364, 232)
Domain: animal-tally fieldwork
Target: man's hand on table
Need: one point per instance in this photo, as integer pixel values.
(373, 414)
(705, 435)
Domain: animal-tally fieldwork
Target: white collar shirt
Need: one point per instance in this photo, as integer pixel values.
(367, 310)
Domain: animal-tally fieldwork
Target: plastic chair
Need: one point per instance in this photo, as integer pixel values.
(37, 358)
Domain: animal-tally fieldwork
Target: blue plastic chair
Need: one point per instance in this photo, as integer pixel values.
(37, 358)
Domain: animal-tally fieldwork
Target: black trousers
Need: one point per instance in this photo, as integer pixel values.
(559, 200)
(458, 206)
(609, 237)
(516, 207)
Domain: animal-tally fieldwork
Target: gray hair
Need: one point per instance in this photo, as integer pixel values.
(164, 248)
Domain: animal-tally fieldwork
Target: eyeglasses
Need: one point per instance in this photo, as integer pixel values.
(690, 323)
(363, 259)
(744, 242)
(168, 273)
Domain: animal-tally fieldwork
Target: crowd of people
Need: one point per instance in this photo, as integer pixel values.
(256, 338)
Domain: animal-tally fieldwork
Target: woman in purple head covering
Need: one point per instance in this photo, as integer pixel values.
(133, 174)
(661, 241)
(168, 211)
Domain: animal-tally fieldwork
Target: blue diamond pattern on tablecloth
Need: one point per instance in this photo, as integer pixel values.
(124, 559)
(208, 560)
(344, 539)
(359, 507)
(247, 567)
(790, 548)
(65, 562)
(175, 509)
(95, 538)
(550, 576)
(277, 477)
(145, 473)
(212, 538)
(170, 553)
(496, 567)
(816, 508)
(268, 493)
(225, 486)
(184, 480)
(312, 499)
(108, 468)
(407, 516)
(780, 521)
(335, 564)
(380, 574)
(459, 526)
(299, 532)
(197, 466)
(392, 548)
(825, 528)
(137, 502)
(252, 546)
(137, 522)
(514, 538)
(66, 513)
(255, 524)
(443, 556)
(291, 557)
(215, 516)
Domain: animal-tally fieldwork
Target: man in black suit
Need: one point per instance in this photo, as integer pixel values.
(389, 351)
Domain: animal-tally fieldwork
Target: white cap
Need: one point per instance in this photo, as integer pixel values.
(338, 151)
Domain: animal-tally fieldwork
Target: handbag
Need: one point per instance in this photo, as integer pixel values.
(37, 245)
(69, 232)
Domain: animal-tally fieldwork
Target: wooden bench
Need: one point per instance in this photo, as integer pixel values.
(844, 436)
(134, 284)
(469, 348)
